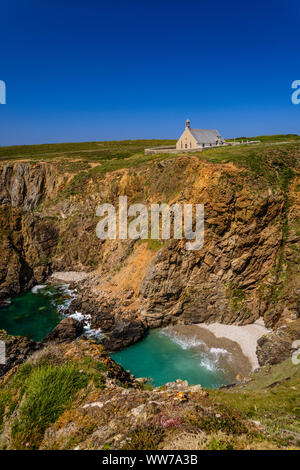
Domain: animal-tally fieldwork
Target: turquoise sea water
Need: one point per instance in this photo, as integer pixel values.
(164, 358)
(162, 355)
(33, 314)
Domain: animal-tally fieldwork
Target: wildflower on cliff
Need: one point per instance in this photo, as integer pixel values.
(170, 422)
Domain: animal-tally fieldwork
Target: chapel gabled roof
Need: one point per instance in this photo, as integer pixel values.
(206, 136)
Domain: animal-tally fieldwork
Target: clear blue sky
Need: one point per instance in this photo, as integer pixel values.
(95, 70)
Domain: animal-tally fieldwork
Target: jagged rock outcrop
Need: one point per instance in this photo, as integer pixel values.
(277, 345)
(120, 327)
(223, 281)
(25, 184)
(123, 334)
(17, 350)
(67, 330)
(33, 241)
(27, 243)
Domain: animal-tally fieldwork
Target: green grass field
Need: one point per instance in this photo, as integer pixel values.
(272, 397)
(105, 151)
(273, 158)
(89, 151)
(270, 138)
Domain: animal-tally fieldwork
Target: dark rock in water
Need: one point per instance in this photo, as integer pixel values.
(276, 346)
(123, 334)
(17, 350)
(121, 328)
(67, 330)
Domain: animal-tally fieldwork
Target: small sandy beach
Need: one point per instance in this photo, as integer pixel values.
(69, 276)
(231, 347)
(245, 336)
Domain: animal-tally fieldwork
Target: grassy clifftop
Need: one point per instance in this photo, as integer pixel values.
(272, 138)
(88, 159)
(97, 151)
(89, 151)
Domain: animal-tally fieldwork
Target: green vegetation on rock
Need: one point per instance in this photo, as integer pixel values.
(48, 391)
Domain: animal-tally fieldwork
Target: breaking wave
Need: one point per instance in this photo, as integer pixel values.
(209, 357)
(61, 298)
(69, 295)
(88, 332)
(37, 288)
(208, 365)
(184, 343)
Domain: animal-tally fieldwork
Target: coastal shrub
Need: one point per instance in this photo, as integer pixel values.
(2, 406)
(187, 441)
(106, 447)
(100, 366)
(76, 184)
(155, 245)
(18, 381)
(146, 438)
(12, 392)
(220, 444)
(222, 419)
(99, 381)
(93, 365)
(148, 386)
(49, 390)
(7, 405)
(50, 355)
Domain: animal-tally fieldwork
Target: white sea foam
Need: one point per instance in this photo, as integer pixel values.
(208, 364)
(184, 343)
(209, 357)
(246, 336)
(70, 294)
(93, 333)
(79, 316)
(37, 288)
(90, 333)
(62, 307)
(219, 352)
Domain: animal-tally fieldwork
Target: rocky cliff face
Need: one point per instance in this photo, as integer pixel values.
(26, 240)
(279, 345)
(219, 282)
(25, 185)
(247, 268)
(34, 240)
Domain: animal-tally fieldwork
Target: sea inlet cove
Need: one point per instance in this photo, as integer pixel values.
(149, 231)
(141, 343)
